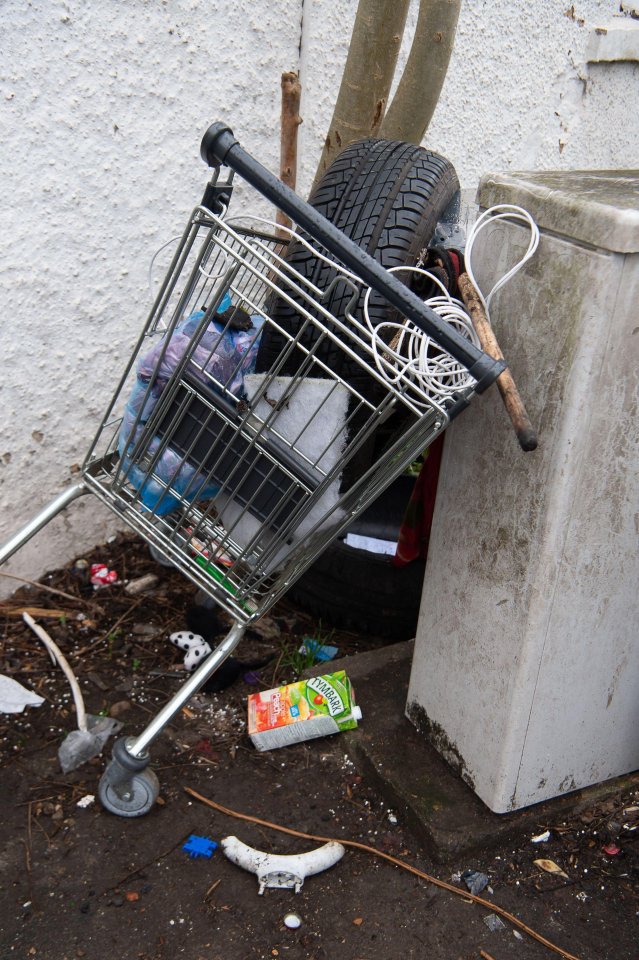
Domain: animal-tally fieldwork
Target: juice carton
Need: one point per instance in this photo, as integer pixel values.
(302, 711)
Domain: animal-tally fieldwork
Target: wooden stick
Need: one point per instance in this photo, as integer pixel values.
(44, 612)
(291, 95)
(505, 383)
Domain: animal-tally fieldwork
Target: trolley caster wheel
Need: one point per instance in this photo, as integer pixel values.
(132, 797)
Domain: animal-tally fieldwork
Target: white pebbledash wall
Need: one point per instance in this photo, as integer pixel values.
(103, 105)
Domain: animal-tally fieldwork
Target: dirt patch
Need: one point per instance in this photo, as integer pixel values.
(79, 882)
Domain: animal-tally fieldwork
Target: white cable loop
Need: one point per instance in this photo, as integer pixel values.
(415, 357)
(508, 212)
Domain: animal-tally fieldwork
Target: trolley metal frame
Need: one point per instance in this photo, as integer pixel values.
(241, 477)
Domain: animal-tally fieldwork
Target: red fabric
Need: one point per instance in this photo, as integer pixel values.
(454, 256)
(415, 530)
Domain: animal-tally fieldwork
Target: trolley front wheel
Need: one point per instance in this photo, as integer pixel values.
(131, 797)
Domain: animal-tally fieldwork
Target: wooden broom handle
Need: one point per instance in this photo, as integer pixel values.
(505, 383)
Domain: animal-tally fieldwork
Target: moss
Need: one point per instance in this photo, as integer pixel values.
(436, 735)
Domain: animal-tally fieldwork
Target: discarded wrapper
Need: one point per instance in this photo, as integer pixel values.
(14, 697)
(302, 711)
(101, 576)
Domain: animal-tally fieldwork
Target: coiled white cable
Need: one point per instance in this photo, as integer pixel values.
(403, 353)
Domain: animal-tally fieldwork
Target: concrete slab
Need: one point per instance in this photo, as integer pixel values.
(430, 798)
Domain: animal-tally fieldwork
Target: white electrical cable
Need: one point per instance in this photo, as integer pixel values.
(404, 353)
(508, 212)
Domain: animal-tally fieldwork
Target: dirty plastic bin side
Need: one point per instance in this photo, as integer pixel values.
(526, 667)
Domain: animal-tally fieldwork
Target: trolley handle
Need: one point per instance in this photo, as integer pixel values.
(219, 146)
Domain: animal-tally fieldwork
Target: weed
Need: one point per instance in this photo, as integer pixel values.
(296, 658)
(293, 661)
(111, 638)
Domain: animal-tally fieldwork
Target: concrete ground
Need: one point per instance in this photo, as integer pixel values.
(407, 771)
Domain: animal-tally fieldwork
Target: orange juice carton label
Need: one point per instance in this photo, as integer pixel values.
(301, 711)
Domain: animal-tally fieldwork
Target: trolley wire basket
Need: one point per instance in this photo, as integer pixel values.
(241, 476)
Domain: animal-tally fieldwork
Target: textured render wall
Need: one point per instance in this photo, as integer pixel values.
(519, 94)
(102, 108)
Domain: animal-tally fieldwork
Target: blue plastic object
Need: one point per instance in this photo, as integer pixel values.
(199, 847)
(320, 651)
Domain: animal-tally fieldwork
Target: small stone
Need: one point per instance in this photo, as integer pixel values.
(117, 709)
(141, 584)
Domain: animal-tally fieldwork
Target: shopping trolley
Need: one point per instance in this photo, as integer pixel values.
(241, 476)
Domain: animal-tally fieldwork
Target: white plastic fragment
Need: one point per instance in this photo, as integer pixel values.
(494, 923)
(292, 921)
(281, 871)
(14, 697)
(86, 801)
(541, 838)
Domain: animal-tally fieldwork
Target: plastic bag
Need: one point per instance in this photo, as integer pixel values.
(82, 745)
(217, 355)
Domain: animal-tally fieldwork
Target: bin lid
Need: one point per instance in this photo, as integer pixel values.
(599, 207)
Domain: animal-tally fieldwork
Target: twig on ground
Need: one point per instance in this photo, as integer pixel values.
(149, 863)
(394, 860)
(38, 824)
(27, 855)
(26, 753)
(211, 889)
(11, 611)
(42, 586)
